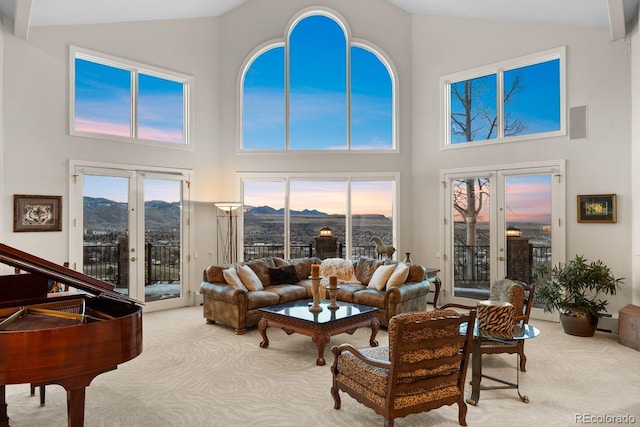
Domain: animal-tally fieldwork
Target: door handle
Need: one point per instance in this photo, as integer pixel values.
(133, 258)
(500, 258)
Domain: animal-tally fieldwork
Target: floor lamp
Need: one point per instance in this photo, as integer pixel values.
(227, 213)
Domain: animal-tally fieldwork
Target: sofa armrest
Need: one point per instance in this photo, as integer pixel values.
(222, 292)
(409, 290)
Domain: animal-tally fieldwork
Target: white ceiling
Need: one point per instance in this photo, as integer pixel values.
(592, 13)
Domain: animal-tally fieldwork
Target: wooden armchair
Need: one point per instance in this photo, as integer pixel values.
(424, 366)
(520, 295)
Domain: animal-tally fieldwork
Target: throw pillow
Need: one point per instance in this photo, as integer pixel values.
(380, 276)
(261, 267)
(399, 275)
(249, 278)
(343, 268)
(232, 278)
(283, 275)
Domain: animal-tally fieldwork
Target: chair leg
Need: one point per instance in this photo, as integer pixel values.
(388, 422)
(462, 413)
(336, 396)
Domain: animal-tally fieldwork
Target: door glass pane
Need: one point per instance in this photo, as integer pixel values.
(528, 219)
(471, 238)
(264, 220)
(371, 216)
(162, 230)
(314, 205)
(106, 229)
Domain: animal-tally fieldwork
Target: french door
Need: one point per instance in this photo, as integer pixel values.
(500, 222)
(130, 228)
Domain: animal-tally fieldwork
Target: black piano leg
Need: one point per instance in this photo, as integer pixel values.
(42, 393)
(4, 418)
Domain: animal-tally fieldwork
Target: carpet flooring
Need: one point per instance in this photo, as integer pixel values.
(194, 374)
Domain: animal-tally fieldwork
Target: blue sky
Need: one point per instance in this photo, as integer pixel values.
(103, 103)
(318, 116)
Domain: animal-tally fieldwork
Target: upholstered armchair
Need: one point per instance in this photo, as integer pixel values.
(423, 368)
(520, 295)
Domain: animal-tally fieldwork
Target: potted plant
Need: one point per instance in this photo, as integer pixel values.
(574, 289)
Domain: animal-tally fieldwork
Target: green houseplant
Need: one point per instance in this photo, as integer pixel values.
(575, 289)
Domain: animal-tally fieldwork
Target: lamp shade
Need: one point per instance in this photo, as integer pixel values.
(326, 232)
(227, 206)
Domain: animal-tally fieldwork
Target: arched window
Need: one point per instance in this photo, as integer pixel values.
(318, 90)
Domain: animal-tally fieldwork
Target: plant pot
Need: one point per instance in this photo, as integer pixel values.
(577, 322)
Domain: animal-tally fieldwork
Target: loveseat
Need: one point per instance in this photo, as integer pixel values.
(233, 294)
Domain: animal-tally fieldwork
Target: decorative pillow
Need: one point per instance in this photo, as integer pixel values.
(261, 267)
(232, 278)
(283, 275)
(364, 269)
(380, 277)
(343, 268)
(399, 275)
(249, 278)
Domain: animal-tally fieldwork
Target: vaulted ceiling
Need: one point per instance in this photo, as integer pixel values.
(614, 14)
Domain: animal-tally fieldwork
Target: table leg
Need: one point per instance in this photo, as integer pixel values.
(262, 327)
(321, 341)
(476, 372)
(375, 327)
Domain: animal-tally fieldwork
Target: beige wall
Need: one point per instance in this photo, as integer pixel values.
(598, 76)
(37, 146)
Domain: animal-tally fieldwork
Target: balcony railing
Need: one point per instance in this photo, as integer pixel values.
(301, 251)
(110, 263)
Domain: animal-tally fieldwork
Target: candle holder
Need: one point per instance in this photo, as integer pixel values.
(333, 293)
(315, 291)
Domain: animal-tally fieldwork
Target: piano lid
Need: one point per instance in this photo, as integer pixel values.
(33, 264)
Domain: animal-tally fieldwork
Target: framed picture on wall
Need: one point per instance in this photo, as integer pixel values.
(37, 213)
(597, 208)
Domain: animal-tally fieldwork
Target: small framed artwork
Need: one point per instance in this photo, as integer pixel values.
(37, 213)
(597, 208)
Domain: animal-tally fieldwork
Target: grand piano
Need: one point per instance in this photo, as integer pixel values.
(65, 338)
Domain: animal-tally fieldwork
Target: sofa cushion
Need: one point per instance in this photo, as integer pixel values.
(259, 299)
(261, 267)
(364, 269)
(232, 278)
(302, 265)
(380, 276)
(249, 278)
(342, 268)
(213, 274)
(398, 276)
(370, 297)
(417, 273)
(288, 293)
(283, 275)
(347, 290)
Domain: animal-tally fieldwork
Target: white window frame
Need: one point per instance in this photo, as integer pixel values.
(351, 42)
(134, 68)
(499, 69)
(347, 177)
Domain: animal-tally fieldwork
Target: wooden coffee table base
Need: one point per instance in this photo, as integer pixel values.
(320, 333)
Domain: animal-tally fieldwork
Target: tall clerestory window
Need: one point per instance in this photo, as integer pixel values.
(318, 90)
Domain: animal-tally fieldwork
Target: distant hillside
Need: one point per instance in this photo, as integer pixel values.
(104, 214)
(268, 210)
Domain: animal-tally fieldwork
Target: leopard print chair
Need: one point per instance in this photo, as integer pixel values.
(423, 368)
(520, 295)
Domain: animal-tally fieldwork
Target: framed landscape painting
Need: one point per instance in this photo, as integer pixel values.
(37, 213)
(597, 208)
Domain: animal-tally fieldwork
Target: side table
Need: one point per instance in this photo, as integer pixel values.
(432, 277)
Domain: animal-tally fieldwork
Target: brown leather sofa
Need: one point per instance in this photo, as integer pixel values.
(239, 308)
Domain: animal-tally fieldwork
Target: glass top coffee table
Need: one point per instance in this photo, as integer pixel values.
(320, 326)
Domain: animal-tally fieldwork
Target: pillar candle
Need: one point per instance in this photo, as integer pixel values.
(333, 281)
(315, 271)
